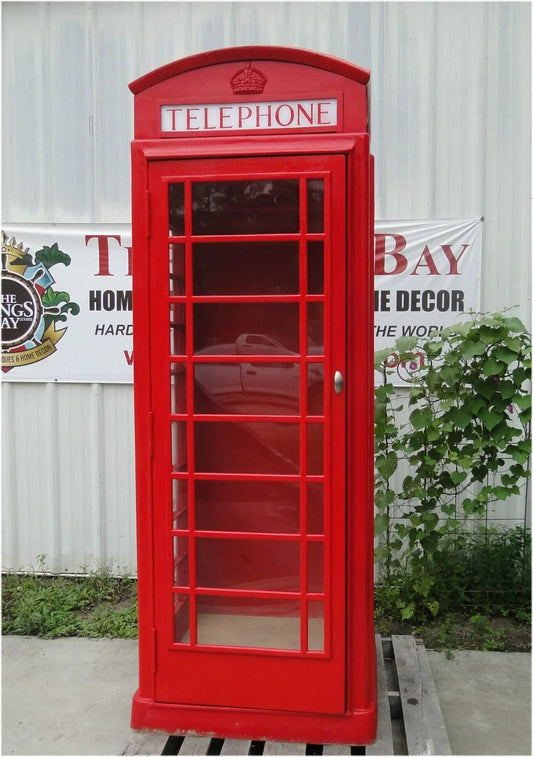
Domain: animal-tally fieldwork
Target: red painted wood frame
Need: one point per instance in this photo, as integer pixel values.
(321, 691)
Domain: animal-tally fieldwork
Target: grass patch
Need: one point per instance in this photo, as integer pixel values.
(477, 594)
(461, 631)
(480, 599)
(98, 605)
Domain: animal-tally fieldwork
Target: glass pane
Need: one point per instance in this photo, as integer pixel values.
(180, 504)
(260, 506)
(315, 328)
(181, 618)
(178, 395)
(245, 207)
(315, 567)
(246, 268)
(315, 205)
(315, 507)
(315, 389)
(248, 564)
(176, 210)
(181, 561)
(246, 329)
(176, 269)
(247, 447)
(245, 622)
(178, 430)
(315, 626)
(247, 388)
(177, 329)
(315, 449)
(315, 267)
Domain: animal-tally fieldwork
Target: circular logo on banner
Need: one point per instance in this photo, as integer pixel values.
(21, 310)
(30, 306)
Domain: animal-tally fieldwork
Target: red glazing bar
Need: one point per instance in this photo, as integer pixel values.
(251, 535)
(328, 380)
(304, 641)
(217, 476)
(189, 349)
(264, 358)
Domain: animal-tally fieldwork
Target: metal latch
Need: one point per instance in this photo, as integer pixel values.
(338, 382)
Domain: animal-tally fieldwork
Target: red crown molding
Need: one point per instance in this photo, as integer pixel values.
(250, 53)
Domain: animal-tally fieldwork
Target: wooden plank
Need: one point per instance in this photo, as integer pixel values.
(423, 730)
(283, 747)
(336, 749)
(146, 742)
(236, 747)
(432, 712)
(193, 745)
(409, 684)
(383, 743)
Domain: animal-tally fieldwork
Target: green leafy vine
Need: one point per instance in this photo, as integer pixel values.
(466, 443)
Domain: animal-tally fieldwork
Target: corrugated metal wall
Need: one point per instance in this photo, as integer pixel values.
(450, 134)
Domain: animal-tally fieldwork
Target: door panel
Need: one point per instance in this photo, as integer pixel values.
(249, 436)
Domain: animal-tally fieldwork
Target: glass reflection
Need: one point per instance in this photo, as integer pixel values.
(181, 618)
(178, 431)
(176, 210)
(269, 565)
(178, 395)
(180, 504)
(246, 268)
(315, 389)
(315, 267)
(315, 205)
(177, 329)
(176, 260)
(315, 328)
(246, 207)
(315, 449)
(315, 561)
(315, 507)
(247, 447)
(246, 329)
(260, 506)
(247, 388)
(181, 561)
(249, 622)
(315, 625)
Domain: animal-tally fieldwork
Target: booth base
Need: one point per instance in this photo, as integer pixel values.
(409, 718)
(357, 727)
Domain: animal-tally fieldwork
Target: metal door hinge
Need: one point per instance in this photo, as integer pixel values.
(148, 214)
(151, 436)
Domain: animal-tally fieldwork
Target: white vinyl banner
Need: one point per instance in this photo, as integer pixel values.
(67, 300)
(67, 303)
(427, 275)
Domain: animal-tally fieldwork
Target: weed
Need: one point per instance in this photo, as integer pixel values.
(95, 605)
(487, 573)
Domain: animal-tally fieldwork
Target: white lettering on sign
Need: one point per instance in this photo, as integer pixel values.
(293, 114)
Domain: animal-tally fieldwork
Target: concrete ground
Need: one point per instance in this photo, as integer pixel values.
(73, 697)
(485, 698)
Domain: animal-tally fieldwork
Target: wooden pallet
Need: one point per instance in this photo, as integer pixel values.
(409, 716)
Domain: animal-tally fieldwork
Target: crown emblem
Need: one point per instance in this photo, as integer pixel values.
(11, 252)
(248, 81)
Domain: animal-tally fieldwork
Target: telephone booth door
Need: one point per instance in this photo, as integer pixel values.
(248, 318)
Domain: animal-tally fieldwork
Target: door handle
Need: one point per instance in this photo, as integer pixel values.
(338, 382)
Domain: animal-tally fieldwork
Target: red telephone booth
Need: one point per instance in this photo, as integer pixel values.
(252, 230)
